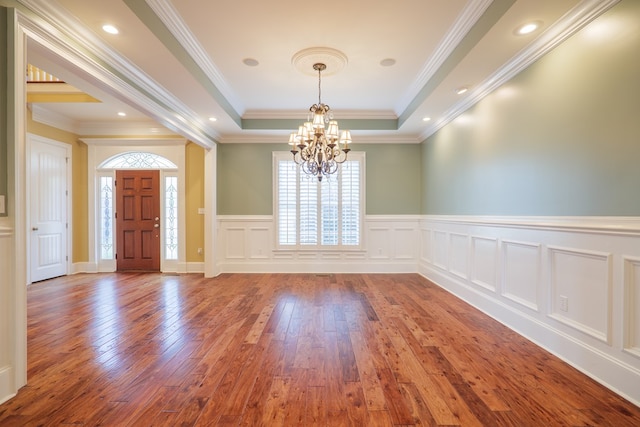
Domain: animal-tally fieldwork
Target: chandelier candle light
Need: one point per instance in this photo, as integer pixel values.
(319, 150)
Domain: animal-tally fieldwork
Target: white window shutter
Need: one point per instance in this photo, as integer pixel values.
(319, 213)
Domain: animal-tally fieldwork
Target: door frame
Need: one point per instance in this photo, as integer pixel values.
(30, 138)
(101, 149)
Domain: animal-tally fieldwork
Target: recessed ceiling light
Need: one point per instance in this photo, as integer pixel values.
(122, 114)
(108, 28)
(388, 62)
(213, 119)
(426, 119)
(250, 62)
(461, 90)
(528, 28)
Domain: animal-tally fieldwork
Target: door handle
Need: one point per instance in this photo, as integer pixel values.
(34, 228)
(156, 225)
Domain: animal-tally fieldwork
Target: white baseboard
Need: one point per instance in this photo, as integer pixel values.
(194, 267)
(7, 384)
(84, 267)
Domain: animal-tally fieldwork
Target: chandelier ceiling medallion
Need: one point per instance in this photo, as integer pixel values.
(318, 146)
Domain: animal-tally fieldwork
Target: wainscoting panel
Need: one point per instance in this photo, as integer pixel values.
(632, 305)
(248, 244)
(439, 248)
(581, 290)
(235, 247)
(484, 262)
(459, 254)
(405, 247)
(425, 246)
(259, 242)
(570, 284)
(378, 238)
(521, 272)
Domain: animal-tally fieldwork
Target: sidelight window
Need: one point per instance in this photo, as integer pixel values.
(106, 217)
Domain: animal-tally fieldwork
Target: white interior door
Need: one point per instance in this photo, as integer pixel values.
(48, 208)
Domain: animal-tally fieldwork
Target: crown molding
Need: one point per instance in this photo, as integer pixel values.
(47, 117)
(120, 128)
(283, 138)
(465, 21)
(385, 139)
(302, 114)
(255, 139)
(171, 18)
(133, 142)
(65, 36)
(574, 20)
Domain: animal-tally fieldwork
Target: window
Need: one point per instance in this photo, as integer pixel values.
(138, 160)
(318, 214)
(106, 217)
(171, 217)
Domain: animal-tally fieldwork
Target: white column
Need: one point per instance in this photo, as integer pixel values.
(13, 292)
(210, 213)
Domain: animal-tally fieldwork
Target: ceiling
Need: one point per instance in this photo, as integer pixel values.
(175, 64)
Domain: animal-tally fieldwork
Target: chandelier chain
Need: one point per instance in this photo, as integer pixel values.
(319, 86)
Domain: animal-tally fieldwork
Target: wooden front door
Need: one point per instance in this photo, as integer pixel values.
(138, 220)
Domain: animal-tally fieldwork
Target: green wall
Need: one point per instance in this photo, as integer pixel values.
(560, 138)
(392, 178)
(245, 178)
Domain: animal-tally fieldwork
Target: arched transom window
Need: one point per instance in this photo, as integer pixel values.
(138, 160)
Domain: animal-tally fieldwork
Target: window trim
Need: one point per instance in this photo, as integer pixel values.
(278, 156)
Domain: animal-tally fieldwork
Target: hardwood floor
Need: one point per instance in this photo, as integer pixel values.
(285, 350)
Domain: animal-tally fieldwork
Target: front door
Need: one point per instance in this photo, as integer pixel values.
(138, 220)
(48, 201)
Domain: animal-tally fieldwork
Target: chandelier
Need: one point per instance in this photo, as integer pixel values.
(316, 148)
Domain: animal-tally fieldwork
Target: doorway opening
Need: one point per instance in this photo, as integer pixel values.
(156, 241)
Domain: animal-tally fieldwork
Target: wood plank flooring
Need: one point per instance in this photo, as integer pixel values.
(135, 349)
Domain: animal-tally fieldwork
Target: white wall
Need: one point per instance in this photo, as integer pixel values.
(246, 244)
(571, 285)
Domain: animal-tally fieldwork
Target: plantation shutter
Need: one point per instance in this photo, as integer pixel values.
(318, 213)
(287, 202)
(308, 210)
(329, 218)
(351, 202)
